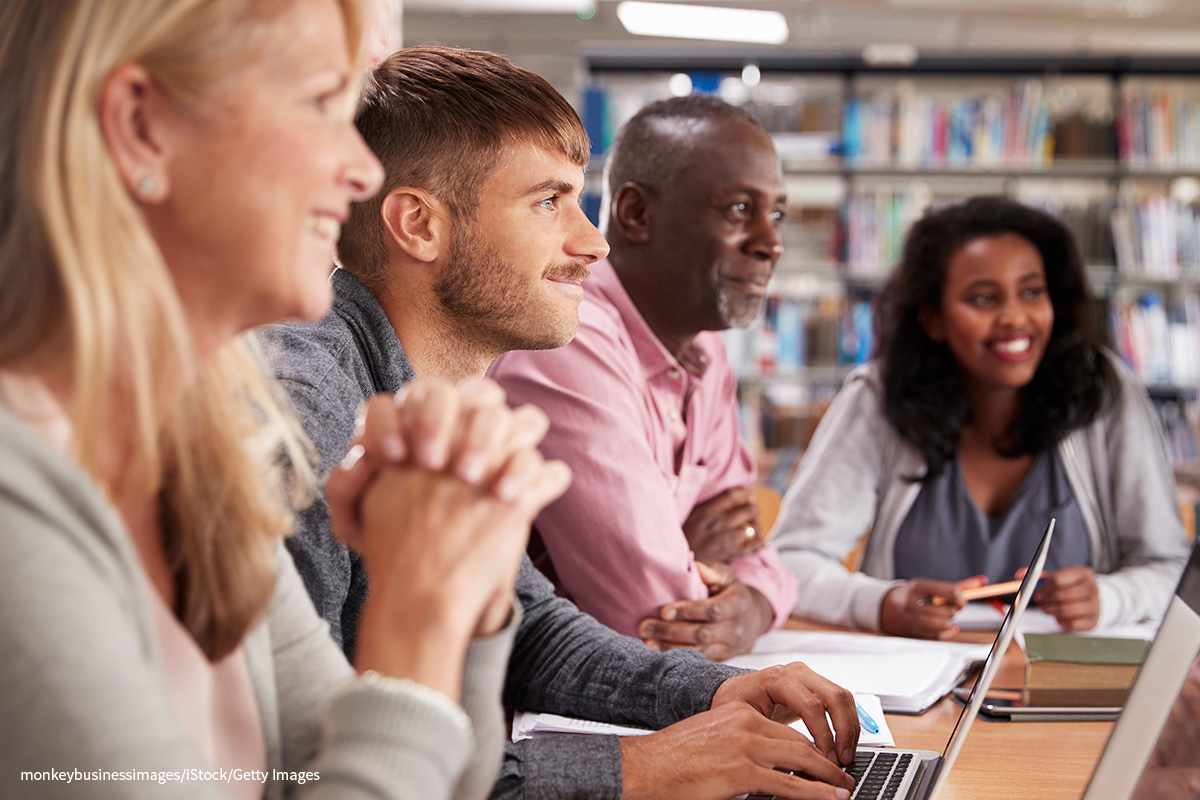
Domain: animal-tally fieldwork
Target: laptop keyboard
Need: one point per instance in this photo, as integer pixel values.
(878, 775)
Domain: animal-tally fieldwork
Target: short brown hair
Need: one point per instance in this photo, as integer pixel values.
(437, 118)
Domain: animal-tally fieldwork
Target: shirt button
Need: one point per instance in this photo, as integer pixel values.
(673, 374)
(673, 415)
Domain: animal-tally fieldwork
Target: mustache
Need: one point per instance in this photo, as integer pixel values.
(577, 270)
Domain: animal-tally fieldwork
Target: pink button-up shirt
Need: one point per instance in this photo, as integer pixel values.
(648, 437)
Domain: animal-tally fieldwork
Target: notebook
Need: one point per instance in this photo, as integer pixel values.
(921, 774)
(919, 674)
(1153, 750)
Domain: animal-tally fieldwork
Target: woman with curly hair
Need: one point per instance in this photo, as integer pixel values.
(991, 405)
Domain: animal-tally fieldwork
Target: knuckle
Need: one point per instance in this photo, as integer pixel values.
(810, 702)
(775, 673)
(531, 416)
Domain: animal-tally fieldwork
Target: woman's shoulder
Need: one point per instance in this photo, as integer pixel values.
(1129, 404)
(863, 385)
(859, 404)
(53, 511)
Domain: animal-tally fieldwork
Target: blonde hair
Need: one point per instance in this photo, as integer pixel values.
(81, 274)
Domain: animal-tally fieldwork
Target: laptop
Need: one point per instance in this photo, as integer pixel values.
(894, 774)
(1153, 750)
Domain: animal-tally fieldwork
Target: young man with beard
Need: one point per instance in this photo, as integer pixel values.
(475, 245)
(655, 536)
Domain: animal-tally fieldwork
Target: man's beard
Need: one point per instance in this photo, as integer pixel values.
(490, 298)
(735, 309)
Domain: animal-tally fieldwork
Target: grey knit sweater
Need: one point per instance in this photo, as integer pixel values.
(563, 660)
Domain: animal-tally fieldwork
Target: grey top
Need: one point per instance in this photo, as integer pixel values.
(854, 480)
(563, 661)
(85, 686)
(947, 537)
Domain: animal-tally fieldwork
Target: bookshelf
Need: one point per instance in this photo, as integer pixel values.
(1109, 143)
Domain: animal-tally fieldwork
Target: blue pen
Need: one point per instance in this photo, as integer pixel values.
(871, 725)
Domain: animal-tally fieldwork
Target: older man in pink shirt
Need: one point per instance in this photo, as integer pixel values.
(655, 537)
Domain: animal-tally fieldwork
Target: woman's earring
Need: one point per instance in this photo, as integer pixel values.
(146, 187)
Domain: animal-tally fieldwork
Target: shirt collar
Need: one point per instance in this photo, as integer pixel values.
(653, 355)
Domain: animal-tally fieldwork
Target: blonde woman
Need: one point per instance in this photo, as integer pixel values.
(172, 174)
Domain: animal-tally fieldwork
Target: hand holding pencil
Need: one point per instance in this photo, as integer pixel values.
(908, 610)
(975, 592)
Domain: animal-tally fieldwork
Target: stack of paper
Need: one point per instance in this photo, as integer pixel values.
(908, 675)
(528, 724)
(981, 616)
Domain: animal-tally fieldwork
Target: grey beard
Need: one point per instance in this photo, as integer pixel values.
(732, 316)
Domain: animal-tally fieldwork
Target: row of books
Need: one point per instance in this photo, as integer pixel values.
(1158, 128)
(1151, 237)
(913, 129)
(876, 223)
(1160, 341)
(1157, 237)
(793, 335)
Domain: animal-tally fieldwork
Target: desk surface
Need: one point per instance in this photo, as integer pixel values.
(1008, 759)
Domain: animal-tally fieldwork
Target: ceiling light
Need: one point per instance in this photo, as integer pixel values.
(470, 7)
(702, 22)
(751, 75)
(892, 55)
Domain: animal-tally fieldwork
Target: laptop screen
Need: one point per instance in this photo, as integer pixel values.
(1159, 727)
(992, 663)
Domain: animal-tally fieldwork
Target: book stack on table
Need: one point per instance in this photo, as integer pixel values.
(1066, 670)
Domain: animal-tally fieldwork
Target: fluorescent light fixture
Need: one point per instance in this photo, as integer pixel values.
(893, 55)
(471, 7)
(703, 22)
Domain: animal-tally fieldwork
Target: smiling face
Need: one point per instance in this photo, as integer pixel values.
(716, 226)
(518, 260)
(996, 315)
(261, 179)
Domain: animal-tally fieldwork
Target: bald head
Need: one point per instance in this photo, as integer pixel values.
(663, 139)
(694, 202)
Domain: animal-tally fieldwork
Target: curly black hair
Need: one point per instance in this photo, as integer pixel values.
(923, 397)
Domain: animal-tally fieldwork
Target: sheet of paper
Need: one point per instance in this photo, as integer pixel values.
(528, 724)
(902, 673)
(983, 617)
(785, 641)
(870, 704)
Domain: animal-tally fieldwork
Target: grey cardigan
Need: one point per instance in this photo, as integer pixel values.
(852, 481)
(563, 660)
(84, 683)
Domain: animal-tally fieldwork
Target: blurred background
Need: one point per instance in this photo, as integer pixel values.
(1089, 109)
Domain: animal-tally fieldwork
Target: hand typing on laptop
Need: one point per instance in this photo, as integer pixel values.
(736, 746)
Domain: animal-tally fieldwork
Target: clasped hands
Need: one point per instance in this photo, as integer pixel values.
(727, 622)
(437, 495)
